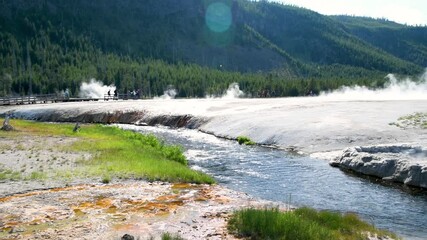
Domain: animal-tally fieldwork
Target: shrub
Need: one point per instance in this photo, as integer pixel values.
(245, 140)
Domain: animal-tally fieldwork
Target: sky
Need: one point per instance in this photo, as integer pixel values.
(411, 12)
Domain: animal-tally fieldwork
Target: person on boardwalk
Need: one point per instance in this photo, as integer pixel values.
(115, 94)
(138, 94)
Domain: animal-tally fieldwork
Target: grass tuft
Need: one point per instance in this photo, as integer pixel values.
(168, 236)
(245, 140)
(37, 176)
(106, 179)
(303, 223)
(9, 175)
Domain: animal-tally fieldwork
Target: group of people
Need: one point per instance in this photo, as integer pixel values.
(115, 93)
(135, 94)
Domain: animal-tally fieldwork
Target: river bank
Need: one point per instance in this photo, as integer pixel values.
(95, 198)
(320, 126)
(38, 203)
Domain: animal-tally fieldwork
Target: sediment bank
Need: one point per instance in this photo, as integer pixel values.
(306, 125)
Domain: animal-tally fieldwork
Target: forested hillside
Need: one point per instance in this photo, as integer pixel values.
(198, 47)
(408, 43)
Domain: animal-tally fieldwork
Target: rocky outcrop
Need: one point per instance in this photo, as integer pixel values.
(399, 163)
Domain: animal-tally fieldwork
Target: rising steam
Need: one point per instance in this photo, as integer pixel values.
(169, 93)
(232, 92)
(396, 89)
(95, 89)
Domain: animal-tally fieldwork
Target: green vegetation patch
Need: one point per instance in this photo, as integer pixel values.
(9, 175)
(169, 236)
(304, 223)
(245, 140)
(37, 176)
(416, 120)
(117, 153)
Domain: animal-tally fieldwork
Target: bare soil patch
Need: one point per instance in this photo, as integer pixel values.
(55, 208)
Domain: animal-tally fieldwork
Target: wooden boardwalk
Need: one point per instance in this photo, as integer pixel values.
(54, 98)
(37, 99)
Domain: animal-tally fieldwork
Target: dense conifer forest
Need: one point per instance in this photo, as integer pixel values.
(197, 47)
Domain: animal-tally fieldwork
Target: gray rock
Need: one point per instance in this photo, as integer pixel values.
(6, 125)
(399, 163)
(128, 237)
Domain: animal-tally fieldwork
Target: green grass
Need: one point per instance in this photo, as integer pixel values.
(117, 153)
(168, 236)
(245, 140)
(303, 223)
(9, 175)
(37, 176)
(106, 179)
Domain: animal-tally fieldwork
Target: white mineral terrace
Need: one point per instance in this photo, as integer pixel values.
(320, 126)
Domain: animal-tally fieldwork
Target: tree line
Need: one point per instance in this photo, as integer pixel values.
(51, 46)
(56, 59)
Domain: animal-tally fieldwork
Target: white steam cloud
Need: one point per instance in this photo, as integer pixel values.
(395, 89)
(232, 92)
(95, 89)
(169, 93)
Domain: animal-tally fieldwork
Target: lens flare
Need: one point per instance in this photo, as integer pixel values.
(218, 17)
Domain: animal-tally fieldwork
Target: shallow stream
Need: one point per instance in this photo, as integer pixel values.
(300, 181)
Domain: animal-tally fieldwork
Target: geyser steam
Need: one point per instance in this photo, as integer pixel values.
(232, 92)
(395, 89)
(95, 89)
(169, 93)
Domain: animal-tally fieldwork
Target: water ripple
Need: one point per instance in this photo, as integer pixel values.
(275, 175)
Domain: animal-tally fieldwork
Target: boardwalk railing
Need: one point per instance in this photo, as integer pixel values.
(33, 99)
(121, 96)
(53, 98)
(28, 99)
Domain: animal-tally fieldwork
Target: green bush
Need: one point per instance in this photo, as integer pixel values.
(245, 140)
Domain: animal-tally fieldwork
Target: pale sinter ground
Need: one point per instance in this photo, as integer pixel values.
(83, 208)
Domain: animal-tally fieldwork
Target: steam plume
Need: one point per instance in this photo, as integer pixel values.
(95, 89)
(169, 93)
(232, 92)
(395, 89)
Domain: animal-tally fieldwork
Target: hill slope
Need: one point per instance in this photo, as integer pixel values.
(55, 45)
(408, 43)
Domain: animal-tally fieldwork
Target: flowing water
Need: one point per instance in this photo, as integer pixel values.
(299, 180)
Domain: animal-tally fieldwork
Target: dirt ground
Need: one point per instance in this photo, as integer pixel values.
(55, 208)
(31, 157)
